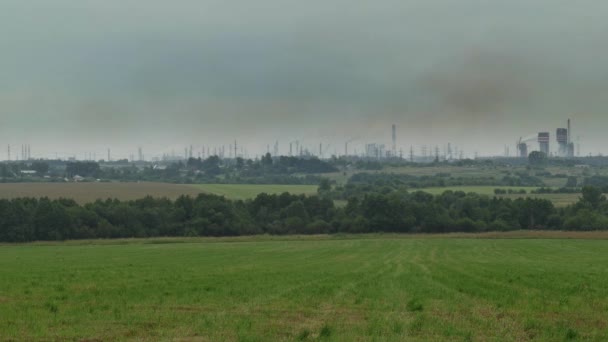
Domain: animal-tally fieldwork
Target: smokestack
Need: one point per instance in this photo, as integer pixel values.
(543, 141)
(394, 147)
(569, 132)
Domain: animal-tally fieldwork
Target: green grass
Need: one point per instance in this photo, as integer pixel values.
(246, 191)
(307, 288)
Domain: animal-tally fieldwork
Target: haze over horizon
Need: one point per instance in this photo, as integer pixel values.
(84, 76)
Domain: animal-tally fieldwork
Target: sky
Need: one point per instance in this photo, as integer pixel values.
(82, 76)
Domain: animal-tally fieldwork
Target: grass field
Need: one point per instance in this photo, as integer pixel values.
(89, 192)
(245, 191)
(457, 287)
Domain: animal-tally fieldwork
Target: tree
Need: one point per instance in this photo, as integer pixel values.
(41, 168)
(240, 163)
(267, 160)
(593, 196)
(572, 182)
(84, 169)
(537, 158)
(296, 209)
(324, 186)
(211, 166)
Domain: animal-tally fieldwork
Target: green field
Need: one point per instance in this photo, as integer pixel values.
(246, 191)
(330, 288)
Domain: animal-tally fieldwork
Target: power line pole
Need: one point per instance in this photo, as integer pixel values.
(394, 147)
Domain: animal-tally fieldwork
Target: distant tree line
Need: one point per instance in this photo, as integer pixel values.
(597, 181)
(509, 191)
(442, 179)
(267, 170)
(564, 190)
(29, 219)
(360, 184)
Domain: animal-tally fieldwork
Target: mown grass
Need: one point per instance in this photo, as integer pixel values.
(307, 288)
(247, 191)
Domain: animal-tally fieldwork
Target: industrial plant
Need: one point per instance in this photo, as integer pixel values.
(388, 149)
(565, 146)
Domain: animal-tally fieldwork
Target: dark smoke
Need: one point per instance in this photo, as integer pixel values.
(480, 84)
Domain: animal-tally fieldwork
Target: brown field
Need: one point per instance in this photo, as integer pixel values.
(89, 192)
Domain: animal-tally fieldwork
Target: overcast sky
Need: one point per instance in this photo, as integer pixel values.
(82, 75)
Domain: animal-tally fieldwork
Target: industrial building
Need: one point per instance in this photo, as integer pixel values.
(565, 146)
(375, 151)
(543, 142)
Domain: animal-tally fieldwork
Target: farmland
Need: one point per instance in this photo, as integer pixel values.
(90, 191)
(384, 287)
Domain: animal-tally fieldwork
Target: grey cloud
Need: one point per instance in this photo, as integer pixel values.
(164, 74)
